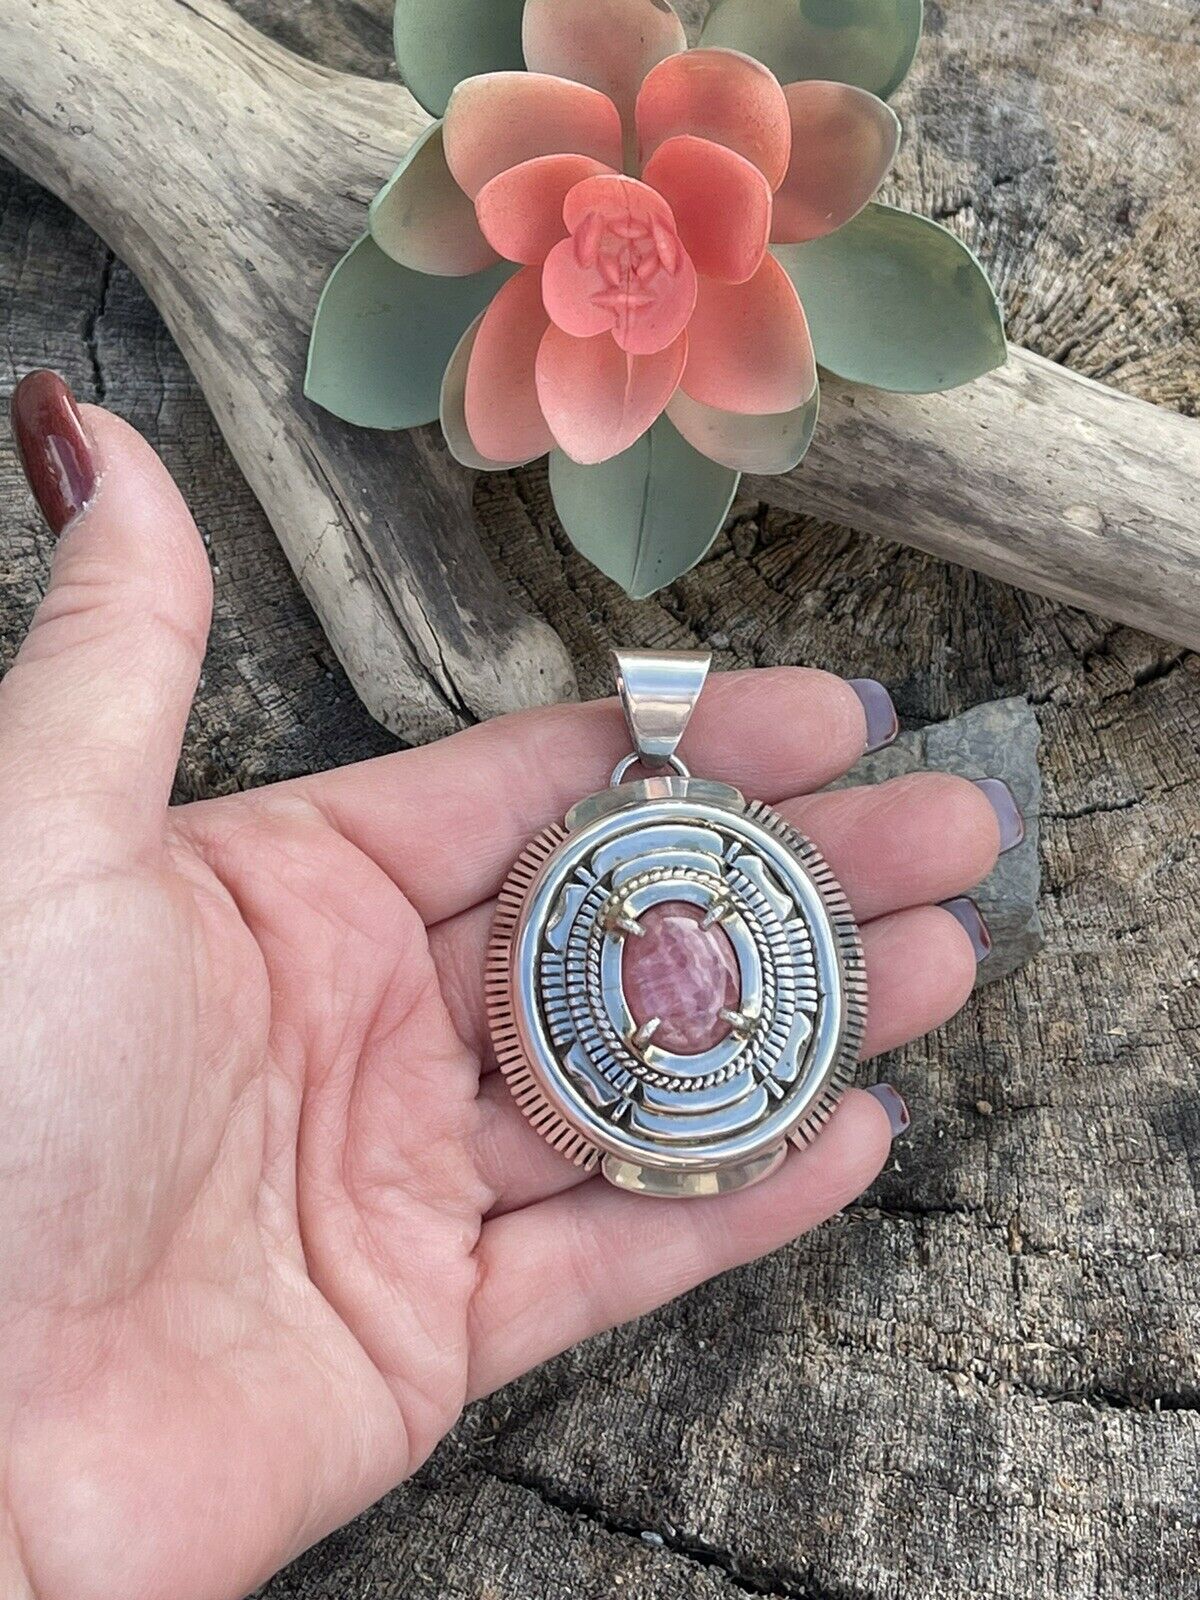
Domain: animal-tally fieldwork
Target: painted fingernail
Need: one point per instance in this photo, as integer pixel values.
(968, 916)
(893, 1103)
(53, 447)
(882, 723)
(1008, 813)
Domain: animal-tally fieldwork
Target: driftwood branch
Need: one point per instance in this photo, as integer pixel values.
(230, 174)
(1032, 474)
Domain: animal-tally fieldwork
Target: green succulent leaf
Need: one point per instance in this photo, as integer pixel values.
(422, 218)
(896, 301)
(441, 42)
(648, 515)
(767, 445)
(870, 43)
(383, 335)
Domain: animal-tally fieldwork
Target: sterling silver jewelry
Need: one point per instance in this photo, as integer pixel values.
(675, 981)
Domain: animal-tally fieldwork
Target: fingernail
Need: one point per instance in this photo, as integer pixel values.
(893, 1103)
(1008, 813)
(53, 447)
(882, 723)
(968, 915)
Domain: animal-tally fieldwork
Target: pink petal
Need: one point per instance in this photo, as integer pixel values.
(843, 142)
(585, 300)
(521, 211)
(718, 95)
(570, 289)
(609, 44)
(597, 399)
(748, 345)
(616, 196)
(623, 270)
(500, 119)
(501, 407)
(721, 203)
(453, 409)
(423, 220)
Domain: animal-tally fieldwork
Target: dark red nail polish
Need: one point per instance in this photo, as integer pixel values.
(53, 447)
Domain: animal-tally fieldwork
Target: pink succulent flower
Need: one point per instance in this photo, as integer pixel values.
(602, 257)
(638, 186)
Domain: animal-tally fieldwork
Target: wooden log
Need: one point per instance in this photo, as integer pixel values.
(1032, 474)
(230, 174)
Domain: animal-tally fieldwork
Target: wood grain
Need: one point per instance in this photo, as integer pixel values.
(261, 165)
(984, 1380)
(197, 149)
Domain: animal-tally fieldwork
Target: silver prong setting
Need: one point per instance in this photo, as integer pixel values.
(743, 1023)
(720, 907)
(642, 1036)
(621, 921)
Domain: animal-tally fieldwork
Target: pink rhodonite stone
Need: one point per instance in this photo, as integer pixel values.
(683, 974)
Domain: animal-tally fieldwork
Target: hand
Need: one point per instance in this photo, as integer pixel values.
(269, 1216)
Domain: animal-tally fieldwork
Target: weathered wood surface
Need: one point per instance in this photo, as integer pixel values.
(207, 186)
(198, 150)
(984, 1380)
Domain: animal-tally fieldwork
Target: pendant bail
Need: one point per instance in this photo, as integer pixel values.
(659, 690)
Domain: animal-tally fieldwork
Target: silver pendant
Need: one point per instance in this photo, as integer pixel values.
(675, 981)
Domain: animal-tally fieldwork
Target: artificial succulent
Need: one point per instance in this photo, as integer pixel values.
(634, 256)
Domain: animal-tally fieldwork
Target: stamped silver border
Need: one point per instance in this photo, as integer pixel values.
(534, 1065)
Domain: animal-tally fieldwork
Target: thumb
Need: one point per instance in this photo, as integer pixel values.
(93, 709)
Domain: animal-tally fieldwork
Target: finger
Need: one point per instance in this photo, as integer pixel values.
(921, 968)
(920, 971)
(446, 821)
(586, 1260)
(909, 841)
(93, 709)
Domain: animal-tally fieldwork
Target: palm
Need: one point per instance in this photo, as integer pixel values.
(369, 1118)
(290, 1288)
(285, 1219)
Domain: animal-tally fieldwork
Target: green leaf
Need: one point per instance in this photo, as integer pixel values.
(896, 301)
(383, 334)
(422, 218)
(441, 42)
(870, 43)
(767, 445)
(648, 515)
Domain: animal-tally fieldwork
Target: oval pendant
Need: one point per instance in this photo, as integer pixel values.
(675, 981)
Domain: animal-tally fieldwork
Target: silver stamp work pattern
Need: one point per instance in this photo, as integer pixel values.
(589, 1073)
